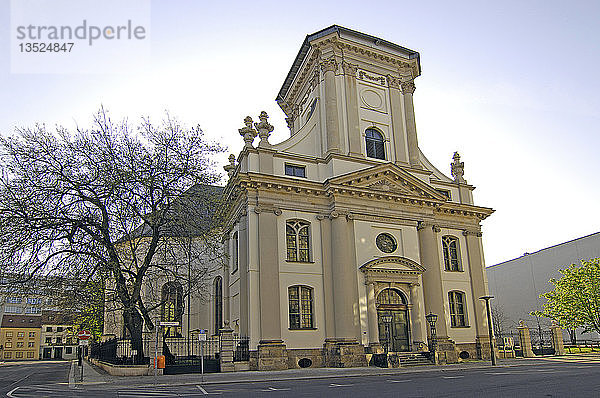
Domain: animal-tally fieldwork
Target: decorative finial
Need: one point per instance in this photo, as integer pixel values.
(522, 323)
(230, 168)
(458, 169)
(264, 130)
(248, 133)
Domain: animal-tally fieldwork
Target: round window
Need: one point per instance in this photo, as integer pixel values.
(386, 243)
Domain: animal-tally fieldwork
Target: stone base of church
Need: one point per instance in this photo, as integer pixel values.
(306, 357)
(344, 353)
(271, 355)
(446, 351)
(375, 348)
(483, 348)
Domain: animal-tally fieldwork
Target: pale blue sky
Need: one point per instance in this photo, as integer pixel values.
(511, 85)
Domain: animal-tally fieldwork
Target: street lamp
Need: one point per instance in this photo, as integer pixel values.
(432, 319)
(387, 320)
(490, 331)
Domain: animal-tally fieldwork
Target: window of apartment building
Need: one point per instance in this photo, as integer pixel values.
(31, 344)
(19, 344)
(48, 340)
(59, 340)
(301, 307)
(34, 300)
(14, 300)
(297, 238)
(450, 247)
(458, 316)
(9, 334)
(11, 309)
(59, 329)
(8, 344)
(32, 310)
(30, 354)
(48, 328)
(68, 350)
(69, 340)
(20, 334)
(19, 354)
(31, 334)
(7, 355)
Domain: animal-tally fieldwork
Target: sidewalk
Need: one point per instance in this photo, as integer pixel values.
(91, 375)
(299, 374)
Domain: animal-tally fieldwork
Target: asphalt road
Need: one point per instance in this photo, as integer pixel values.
(16, 374)
(544, 379)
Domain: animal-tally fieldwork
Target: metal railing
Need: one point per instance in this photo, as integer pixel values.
(241, 349)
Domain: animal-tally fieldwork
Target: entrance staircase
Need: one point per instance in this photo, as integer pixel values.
(414, 359)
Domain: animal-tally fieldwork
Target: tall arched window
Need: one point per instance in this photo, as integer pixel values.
(375, 144)
(218, 304)
(297, 240)
(458, 311)
(234, 252)
(172, 307)
(450, 247)
(301, 307)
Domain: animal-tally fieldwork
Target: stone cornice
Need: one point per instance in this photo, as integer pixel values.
(452, 208)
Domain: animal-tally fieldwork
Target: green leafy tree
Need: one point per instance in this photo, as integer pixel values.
(575, 300)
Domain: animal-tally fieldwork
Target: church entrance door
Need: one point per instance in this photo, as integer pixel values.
(392, 317)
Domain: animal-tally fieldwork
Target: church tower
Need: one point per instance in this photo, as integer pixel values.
(343, 237)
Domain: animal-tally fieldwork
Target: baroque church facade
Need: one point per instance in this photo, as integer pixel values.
(343, 237)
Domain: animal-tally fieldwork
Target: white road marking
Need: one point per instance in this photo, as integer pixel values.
(9, 394)
(452, 377)
(399, 381)
(206, 392)
(499, 373)
(276, 389)
(340, 385)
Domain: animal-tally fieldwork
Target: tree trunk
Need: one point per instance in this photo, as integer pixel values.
(135, 324)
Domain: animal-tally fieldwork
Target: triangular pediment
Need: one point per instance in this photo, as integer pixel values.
(387, 178)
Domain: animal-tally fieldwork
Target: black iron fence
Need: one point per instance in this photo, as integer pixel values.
(241, 349)
(119, 352)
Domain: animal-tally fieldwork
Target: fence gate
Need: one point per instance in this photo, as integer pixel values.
(184, 356)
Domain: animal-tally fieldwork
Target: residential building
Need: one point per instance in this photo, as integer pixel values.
(20, 337)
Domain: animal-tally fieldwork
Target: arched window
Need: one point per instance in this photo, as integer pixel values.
(297, 240)
(458, 311)
(450, 247)
(218, 304)
(390, 297)
(375, 144)
(234, 252)
(301, 307)
(172, 307)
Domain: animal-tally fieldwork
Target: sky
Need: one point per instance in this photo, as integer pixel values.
(512, 86)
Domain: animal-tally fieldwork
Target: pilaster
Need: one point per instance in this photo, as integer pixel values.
(329, 67)
(418, 318)
(354, 137)
(477, 274)
(400, 145)
(408, 88)
(243, 256)
(372, 314)
(270, 319)
(327, 276)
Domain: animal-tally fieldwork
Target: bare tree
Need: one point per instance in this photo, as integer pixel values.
(109, 200)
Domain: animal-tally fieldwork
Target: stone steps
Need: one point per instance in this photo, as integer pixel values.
(414, 359)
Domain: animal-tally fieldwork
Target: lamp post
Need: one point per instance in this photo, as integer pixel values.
(387, 320)
(432, 319)
(490, 331)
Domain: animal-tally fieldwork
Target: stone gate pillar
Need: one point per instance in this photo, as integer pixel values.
(226, 351)
(557, 339)
(525, 339)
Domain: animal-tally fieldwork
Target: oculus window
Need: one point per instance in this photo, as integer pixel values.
(386, 243)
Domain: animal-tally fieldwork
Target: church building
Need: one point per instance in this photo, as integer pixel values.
(343, 238)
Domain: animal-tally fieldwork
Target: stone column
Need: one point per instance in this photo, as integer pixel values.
(417, 318)
(557, 340)
(400, 148)
(226, 352)
(243, 262)
(434, 293)
(372, 318)
(478, 288)
(270, 319)
(408, 88)
(327, 276)
(226, 274)
(345, 279)
(354, 136)
(525, 340)
(332, 124)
